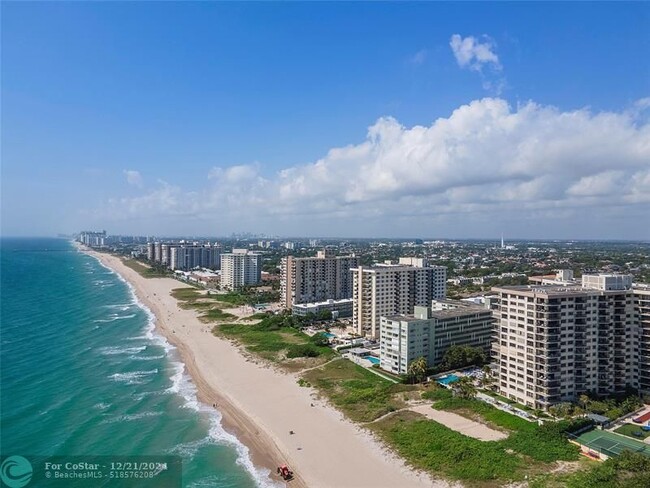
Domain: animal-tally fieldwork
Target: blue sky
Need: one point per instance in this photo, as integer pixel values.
(329, 119)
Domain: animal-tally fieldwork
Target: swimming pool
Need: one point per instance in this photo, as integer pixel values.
(329, 335)
(372, 359)
(450, 378)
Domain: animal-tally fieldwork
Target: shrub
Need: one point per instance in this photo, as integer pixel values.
(303, 351)
(437, 394)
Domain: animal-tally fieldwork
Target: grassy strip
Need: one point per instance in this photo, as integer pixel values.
(472, 408)
(436, 394)
(256, 316)
(357, 392)
(186, 294)
(435, 448)
(630, 429)
(144, 271)
(273, 343)
(216, 315)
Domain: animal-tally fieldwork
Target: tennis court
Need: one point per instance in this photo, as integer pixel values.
(611, 444)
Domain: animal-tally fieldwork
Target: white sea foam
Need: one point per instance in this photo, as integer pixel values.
(132, 377)
(182, 385)
(122, 307)
(113, 350)
(131, 417)
(145, 358)
(114, 317)
(101, 406)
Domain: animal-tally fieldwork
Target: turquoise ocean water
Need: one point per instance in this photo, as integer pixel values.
(84, 373)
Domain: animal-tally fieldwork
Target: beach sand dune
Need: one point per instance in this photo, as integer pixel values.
(261, 405)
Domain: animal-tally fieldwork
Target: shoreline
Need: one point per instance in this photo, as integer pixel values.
(259, 405)
(262, 451)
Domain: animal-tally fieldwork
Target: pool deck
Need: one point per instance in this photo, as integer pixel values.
(460, 424)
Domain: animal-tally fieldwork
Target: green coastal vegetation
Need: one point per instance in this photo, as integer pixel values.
(612, 408)
(628, 470)
(145, 270)
(528, 453)
(273, 339)
(359, 393)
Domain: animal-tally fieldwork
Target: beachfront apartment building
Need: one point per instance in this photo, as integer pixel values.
(554, 342)
(185, 255)
(392, 289)
(239, 268)
(429, 331)
(316, 279)
(339, 308)
(641, 297)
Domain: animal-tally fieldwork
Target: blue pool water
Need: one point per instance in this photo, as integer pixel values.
(329, 335)
(372, 359)
(451, 378)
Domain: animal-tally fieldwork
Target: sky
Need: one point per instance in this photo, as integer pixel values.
(431, 120)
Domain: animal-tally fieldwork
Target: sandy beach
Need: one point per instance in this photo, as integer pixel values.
(260, 405)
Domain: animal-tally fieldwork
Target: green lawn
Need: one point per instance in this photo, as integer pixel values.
(478, 410)
(629, 429)
(357, 392)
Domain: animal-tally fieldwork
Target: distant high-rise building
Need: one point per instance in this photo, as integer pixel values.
(386, 290)
(316, 279)
(150, 251)
(240, 268)
(93, 238)
(157, 252)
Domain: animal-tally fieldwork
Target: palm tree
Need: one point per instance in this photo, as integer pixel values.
(465, 388)
(417, 370)
(584, 401)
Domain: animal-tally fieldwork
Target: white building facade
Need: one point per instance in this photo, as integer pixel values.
(386, 290)
(240, 268)
(429, 332)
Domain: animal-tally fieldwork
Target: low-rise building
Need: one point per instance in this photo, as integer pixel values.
(430, 331)
(339, 308)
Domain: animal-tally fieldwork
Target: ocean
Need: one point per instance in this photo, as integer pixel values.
(83, 372)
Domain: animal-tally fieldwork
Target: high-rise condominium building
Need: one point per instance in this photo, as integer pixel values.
(389, 289)
(240, 268)
(554, 342)
(185, 256)
(429, 332)
(157, 252)
(316, 279)
(641, 296)
(150, 251)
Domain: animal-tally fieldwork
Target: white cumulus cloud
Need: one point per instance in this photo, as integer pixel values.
(473, 54)
(484, 159)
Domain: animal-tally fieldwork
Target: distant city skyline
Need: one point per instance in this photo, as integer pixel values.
(351, 120)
